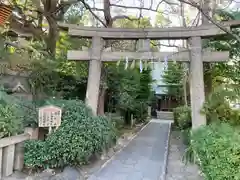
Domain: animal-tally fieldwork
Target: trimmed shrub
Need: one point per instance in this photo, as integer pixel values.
(182, 117)
(217, 148)
(35, 154)
(80, 136)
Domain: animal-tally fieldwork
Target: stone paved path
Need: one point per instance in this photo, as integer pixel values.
(143, 159)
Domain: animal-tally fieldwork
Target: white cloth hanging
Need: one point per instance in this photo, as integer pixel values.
(132, 66)
(146, 65)
(141, 66)
(118, 62)
(165, 62)
(126, 64)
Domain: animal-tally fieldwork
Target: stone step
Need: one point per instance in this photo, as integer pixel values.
(165, 115)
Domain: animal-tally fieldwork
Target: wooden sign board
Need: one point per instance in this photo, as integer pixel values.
(49, 116)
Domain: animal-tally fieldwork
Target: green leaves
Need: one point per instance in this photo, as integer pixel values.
(129, 90)
(217, 146)
(11, 115)
(217, 105)
(174, 75)
(182, 117)
(80, 136)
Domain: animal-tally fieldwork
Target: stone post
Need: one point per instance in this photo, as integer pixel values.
(196, 82)
(8, 160)
(1, 158)
(94, 74)
(149, 112)
(19, 157)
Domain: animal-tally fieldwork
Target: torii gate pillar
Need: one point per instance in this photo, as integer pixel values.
(196, 82)
(94, 74)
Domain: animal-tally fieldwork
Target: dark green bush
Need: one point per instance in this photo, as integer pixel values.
(35, 153)
(217, 107)
(217, 147)
(222, 112)
(9, 123)
(182, 117)
(29, 113)
(80, 136)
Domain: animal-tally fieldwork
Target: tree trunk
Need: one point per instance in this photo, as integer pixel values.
(207, 78)
(103, 88)
(52, 37)
(101, 101)
(127, 117)
(207, 66)
(185, 90)
(184, 45)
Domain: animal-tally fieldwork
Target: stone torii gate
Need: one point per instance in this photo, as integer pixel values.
(195, 55)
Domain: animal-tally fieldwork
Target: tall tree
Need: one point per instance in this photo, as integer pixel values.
(174, 77)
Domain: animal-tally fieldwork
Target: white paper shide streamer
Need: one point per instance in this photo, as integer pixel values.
(141, 66)
(165, 63)
(126, 64)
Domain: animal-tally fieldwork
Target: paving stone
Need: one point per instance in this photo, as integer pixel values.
(142, 159)
(135, 176)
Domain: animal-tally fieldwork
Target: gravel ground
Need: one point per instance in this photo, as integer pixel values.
(177, 169)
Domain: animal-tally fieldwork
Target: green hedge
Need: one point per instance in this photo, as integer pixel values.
(182, 117)
(218, 148)
(80, 136)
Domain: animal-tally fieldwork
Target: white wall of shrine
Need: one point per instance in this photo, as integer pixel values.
(157, 71)
(158, 67)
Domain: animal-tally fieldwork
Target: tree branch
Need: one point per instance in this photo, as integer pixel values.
(123, 17)
(133, 7)
(91, 11)
(194, 4)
